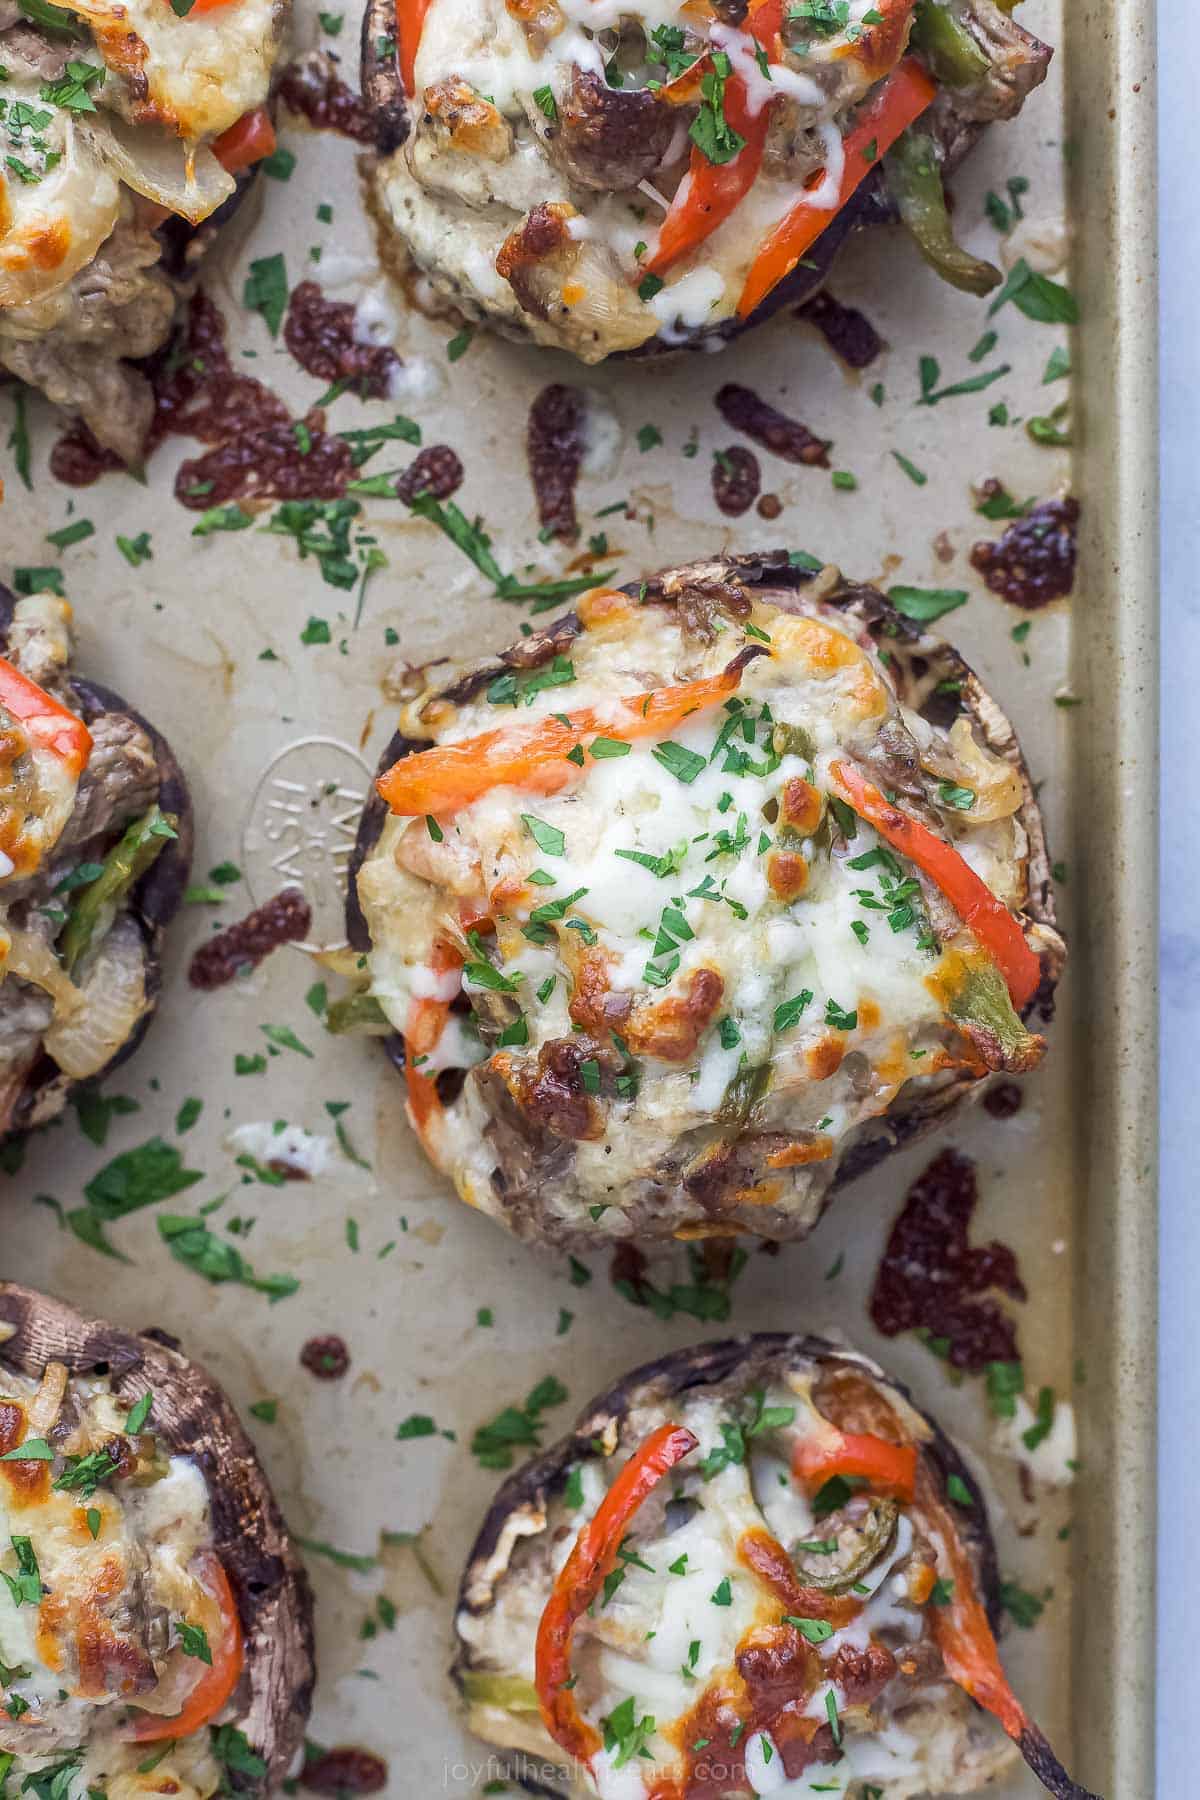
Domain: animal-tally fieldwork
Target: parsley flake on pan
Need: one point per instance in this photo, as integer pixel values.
(516, 1427)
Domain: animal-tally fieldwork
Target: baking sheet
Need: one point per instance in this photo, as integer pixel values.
(278, 753)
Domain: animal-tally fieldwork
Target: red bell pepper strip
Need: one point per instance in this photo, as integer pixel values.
(47, 724)
(248, 140)
(410, 22)
(902, 98)
(710, 191)
(990, 921)
(426, 1021)
(217, 1680)
(890, 1468)
(968, 1649)
(581, 1577)
(448, 777)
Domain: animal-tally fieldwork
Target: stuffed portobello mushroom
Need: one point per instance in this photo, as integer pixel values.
(754, 1568)
(696, 903)
(155, 1622)
(130, 129)
(612, 180)
(95, 848)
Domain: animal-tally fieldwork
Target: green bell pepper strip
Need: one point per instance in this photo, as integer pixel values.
(124, 865)
(488, 1688)
(915, 183)
(358, 1012)
(947, 46)
(983, 1007)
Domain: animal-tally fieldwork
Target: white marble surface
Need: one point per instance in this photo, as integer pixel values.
(1179, 1546)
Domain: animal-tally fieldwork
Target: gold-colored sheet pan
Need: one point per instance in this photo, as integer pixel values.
(279, 752)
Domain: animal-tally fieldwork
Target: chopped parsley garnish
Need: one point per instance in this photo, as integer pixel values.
(930, 373)
(196, 1247)
(926, 604)
(516, 1426)
(543, 98)
(72, 88)
(1058, 365)
(958, 1491)
(32, 1450)
(25, 1586)
(1005, 1380)
(817, 1631)
(71, 534)
(475, 544)
(1024, 1608)
(669, 863)
(917, 476)
(999, 504)
(961, 798)
(820, 18)
(1039, 298)
(135, 550)
(789, 1012)
(547, 837)
(266, 290)
(284, 1038)
(723, 1593)
(193, 1641)
(834, 1494)
(1043, 1424)
(417, 1425)
(710, 130)
(625, 1735)
(684, 764)
(510, 689)
(138, 1413)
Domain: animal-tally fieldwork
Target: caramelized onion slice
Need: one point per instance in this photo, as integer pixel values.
(113, 1000)
(186, 179)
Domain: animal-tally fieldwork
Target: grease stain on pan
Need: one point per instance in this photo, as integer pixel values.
(300, 829)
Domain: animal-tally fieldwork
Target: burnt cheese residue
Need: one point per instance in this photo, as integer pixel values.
(756, 418)
(296, 461)
(326, 1357)
(313, 88)
(258, 450)
(735, 480)
(848, 332)
(554, 444)
(436, 470)
(1003, 1100)
(320, 334)
(284, 919)
(344, 1770)
(932, 1278)
(1034, 562)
